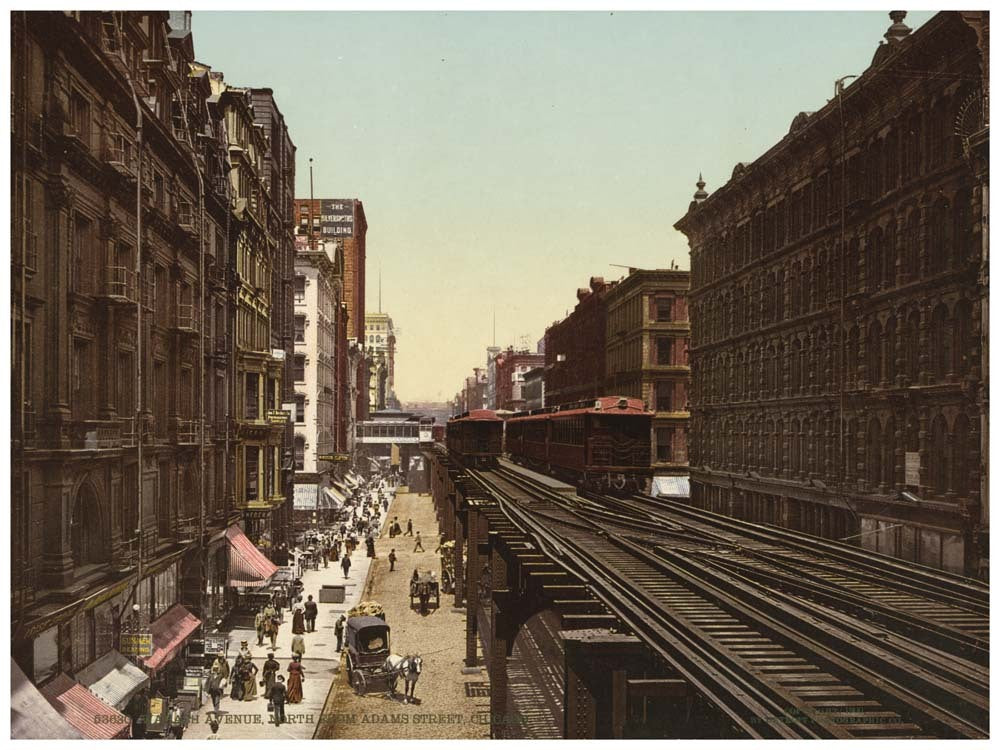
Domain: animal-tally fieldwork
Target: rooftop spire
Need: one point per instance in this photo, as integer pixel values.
(700, 194)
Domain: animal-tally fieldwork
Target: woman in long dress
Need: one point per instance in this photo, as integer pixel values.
(298, 621)
(236, 693)
(249, 680)
(295, 675)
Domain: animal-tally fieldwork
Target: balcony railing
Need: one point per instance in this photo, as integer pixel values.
(119, 284)
(93, 434)
(121, 153)
(129, 437)
(187, 317)
(187, 431)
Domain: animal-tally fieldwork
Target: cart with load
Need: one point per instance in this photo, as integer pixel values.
(367, 652)
(424, 587)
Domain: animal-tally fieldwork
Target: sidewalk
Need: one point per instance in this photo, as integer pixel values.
(251, 719)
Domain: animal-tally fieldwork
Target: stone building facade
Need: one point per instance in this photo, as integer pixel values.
(648, 335)
(119, 302)
(836, 313)
(511, 367)
(575, 347)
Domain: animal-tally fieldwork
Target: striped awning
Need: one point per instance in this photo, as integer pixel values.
(170, 632)
(333, 499)
(113, 679)
(91, 716)
(32, 716)
(247, 565)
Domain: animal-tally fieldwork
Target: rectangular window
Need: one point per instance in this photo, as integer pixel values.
(79, 116)
(299, 368)
(664, 395)
(252, 402)
(664, 350)
(300, 408)
(300, 289)
(664, 310)
(664, 444)
(252, 467)
(300, 329)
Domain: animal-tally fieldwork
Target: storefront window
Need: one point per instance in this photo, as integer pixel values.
(252, 462)
(83, 640)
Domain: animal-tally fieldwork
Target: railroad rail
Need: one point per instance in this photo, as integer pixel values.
(782, 654)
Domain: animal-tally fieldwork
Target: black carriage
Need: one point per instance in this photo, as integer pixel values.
(424, 588)
(367, 650)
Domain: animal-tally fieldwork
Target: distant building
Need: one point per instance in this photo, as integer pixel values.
(575, 348)
(380, 343)
(491, 376)
(647, 356)
(511, 367)
(533, 389)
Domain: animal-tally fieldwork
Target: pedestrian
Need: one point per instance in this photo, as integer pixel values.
(296, 674)
(175, 721)
(370, 545)
(338, 629)
(236, 693)
(222, 665)
(268, 672)
(258, 624)
(346, 565)
(214, 686)
(392, 560)
(419, 545)
(298, 644)
(271, 631)
(249, 680)
(326, 554)
(310, 615)
(409, 527)
(392, 527)
(278, 695)
(298, 621)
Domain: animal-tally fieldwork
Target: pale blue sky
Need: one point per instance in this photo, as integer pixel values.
(505, 158)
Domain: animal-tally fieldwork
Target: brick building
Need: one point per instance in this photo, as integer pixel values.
(511, 367)
(121, 365)
(344, 218)
(575, 348)
(836, 311)
(647, 356)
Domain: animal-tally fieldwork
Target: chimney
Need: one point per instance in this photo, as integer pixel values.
(582, 293)
(596, 283)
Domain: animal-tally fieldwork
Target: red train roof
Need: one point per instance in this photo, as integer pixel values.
(606, 405)
(476, 415)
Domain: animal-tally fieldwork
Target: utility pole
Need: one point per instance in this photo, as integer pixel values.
(312, 245)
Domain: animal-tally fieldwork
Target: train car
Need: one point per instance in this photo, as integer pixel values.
(600, 445)
(426, 430)
(476, 438)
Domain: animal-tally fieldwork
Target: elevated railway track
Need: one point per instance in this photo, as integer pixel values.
(786, 635)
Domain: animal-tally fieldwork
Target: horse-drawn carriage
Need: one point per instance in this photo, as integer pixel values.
(370, 665)
(424, 587)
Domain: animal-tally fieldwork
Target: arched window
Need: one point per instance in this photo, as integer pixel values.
(852, 261)
(911, 246)
(874, 260)
(966, 458)
(888, 461)
(850, 457)
(938, 247)
(796, 366)
(795, 445)
(941, 343)
(890, 151)
(795, 300)
(889, 255)
(874, 450)
(889, 365)
(770, 368)
(963, 338)
(779, 447)
(851, 363)
(874, 353)
(770, 459)
(88, 542)
(939, 455)
(911, 343)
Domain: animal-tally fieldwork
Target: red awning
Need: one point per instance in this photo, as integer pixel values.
(169, 633)
(247, 564)
(91, 716)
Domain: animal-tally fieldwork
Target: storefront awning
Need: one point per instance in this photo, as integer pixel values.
(332, 499)
(113, 679)
(351, 481)
(169, 633)
(88, 714)
(247, 565)
(32, 717)
(671, 487)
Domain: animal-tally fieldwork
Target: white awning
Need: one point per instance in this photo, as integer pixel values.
(351, 481)
(671, 487)
(332, 499)
(32, 717)
(113, 679)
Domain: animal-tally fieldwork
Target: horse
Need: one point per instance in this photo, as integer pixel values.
(409, 668)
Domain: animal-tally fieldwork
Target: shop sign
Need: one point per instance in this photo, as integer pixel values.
(137, 644)
(305, 497)
(216, 644)
(333, 457)
(278, 416)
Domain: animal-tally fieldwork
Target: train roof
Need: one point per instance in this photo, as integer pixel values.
(606, 405)
(476, 415)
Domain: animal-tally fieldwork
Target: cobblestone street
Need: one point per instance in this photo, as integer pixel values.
(451, 705)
